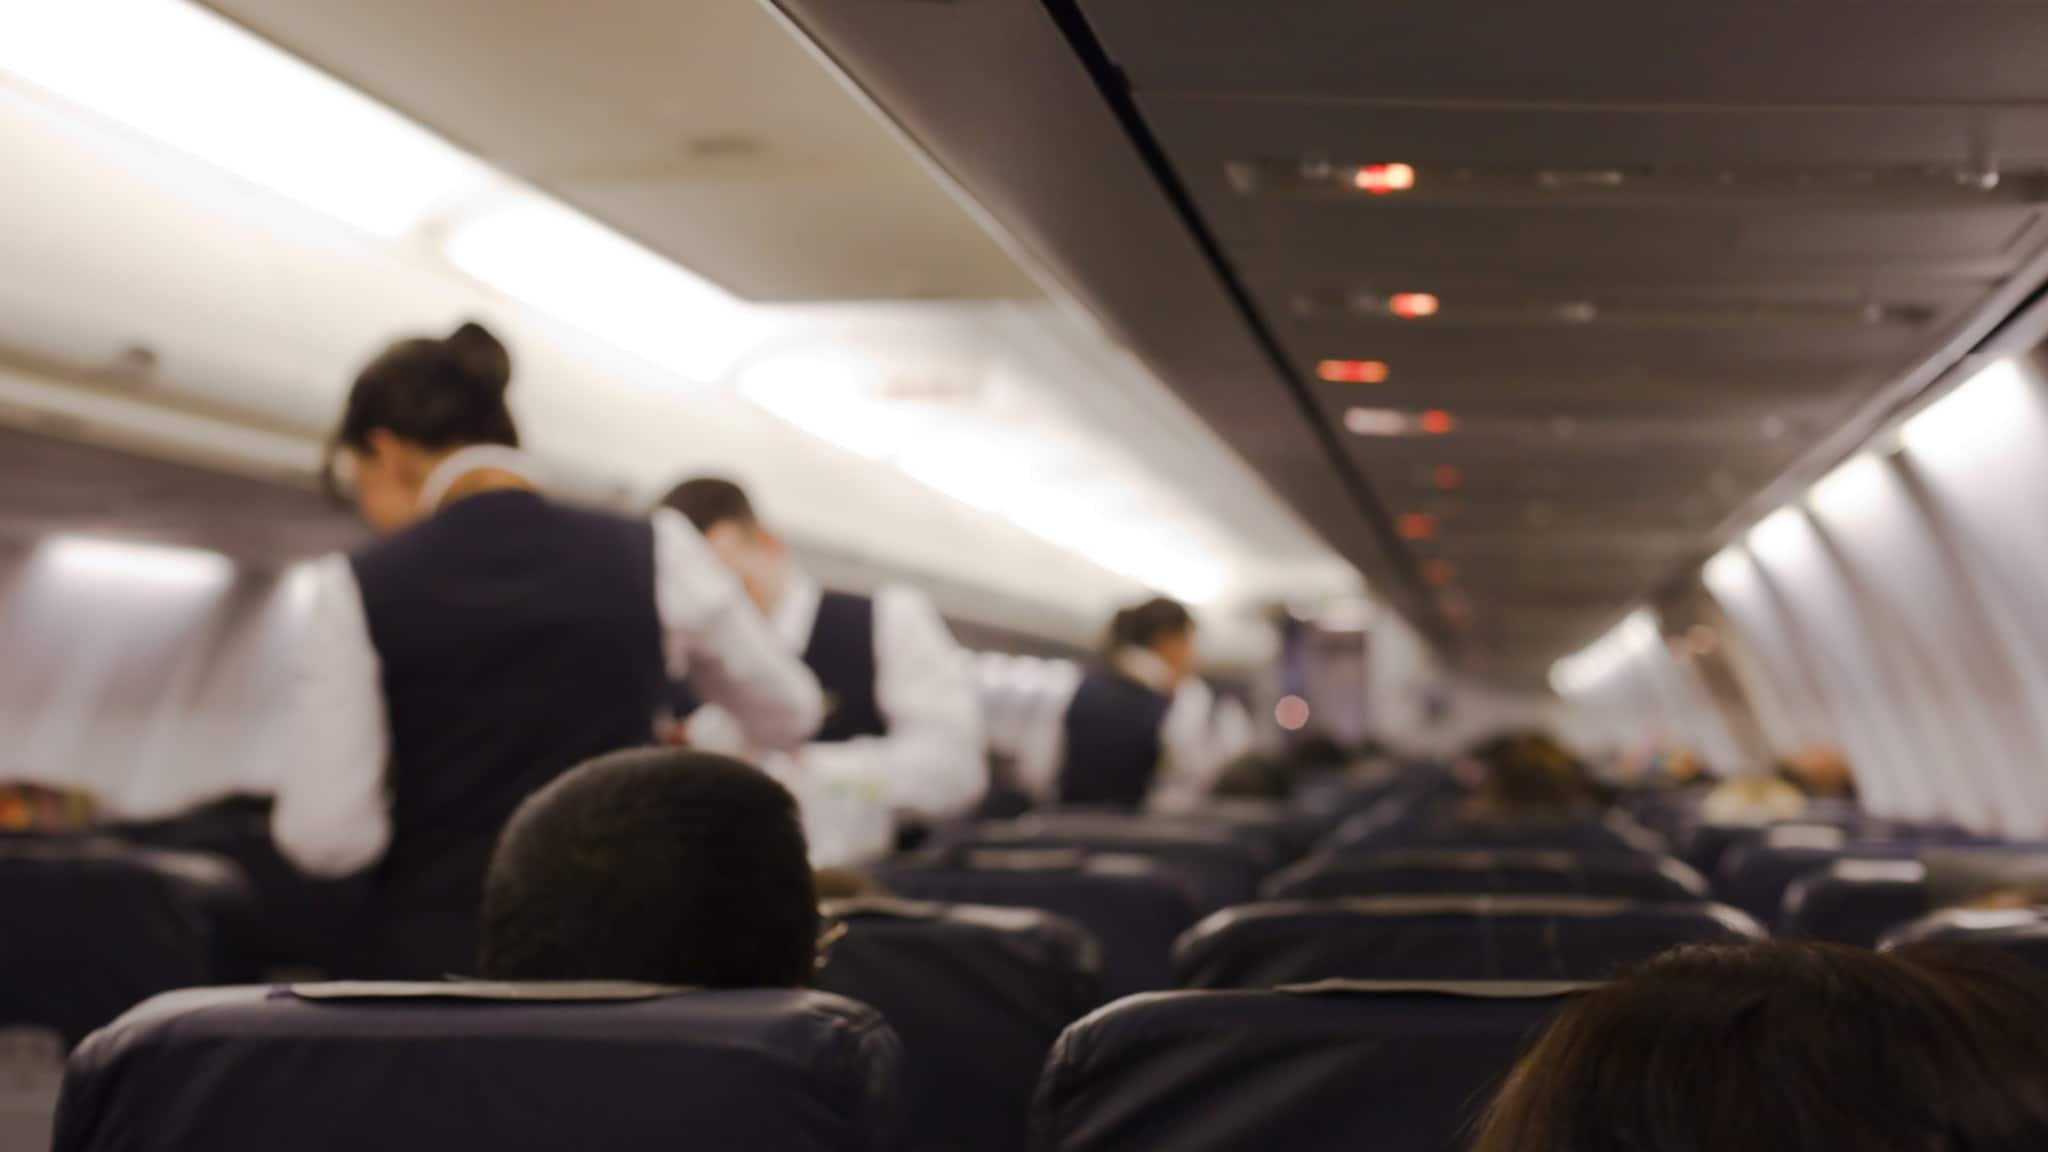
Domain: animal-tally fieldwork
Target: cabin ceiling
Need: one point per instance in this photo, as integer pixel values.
(704, 130)
(1677, 250)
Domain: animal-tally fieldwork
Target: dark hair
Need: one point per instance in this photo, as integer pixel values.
(709, 501)
(657, 865)
(1142, 626)
(435, 393)
(1794, 1047)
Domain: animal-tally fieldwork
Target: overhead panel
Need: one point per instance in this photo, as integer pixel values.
(1615, 268)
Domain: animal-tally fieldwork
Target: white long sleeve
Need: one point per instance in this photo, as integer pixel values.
(731, 654)
(1043, 752)
(1189, 766)
(330, 817)
(933, 763)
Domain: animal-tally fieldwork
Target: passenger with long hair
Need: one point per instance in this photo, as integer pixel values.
(1792, 1047)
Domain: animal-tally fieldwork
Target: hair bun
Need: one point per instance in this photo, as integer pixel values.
(479, 357)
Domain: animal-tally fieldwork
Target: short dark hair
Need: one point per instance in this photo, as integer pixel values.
(662, 866)
(443, 393)
(709, 501)
(1143, 625)
(1794, 1047)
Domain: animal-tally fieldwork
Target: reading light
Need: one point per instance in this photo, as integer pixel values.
(1353, 371)
(190, 80)
(1376, 422)
(1382, 179)
(1415, 526)
(1413, 305)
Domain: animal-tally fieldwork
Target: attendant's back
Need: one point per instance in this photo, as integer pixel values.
(492, 640)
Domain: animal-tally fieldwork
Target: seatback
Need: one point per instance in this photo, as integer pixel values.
(977, 995)
(1341, 1068)
(2023, 932)
(1134, 907)
(1855, 901)
(1755, 875)
(341, 1068)
(1441, 938)
(96, 927)
(1225, 867)
(1449, 872)
(1612, 833)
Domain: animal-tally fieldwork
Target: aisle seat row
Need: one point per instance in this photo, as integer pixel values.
(1371, 965)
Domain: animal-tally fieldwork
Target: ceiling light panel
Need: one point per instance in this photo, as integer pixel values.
(189, 80)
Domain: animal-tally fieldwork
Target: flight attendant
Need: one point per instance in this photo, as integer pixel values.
(489, 642)
(1136, 731)
(902, 745)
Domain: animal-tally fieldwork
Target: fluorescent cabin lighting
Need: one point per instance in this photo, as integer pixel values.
(1853, 490)
(1781, 536)
(1984, 407)
(190, 80)
(94, 558)
(1728, 573)
(565, 265)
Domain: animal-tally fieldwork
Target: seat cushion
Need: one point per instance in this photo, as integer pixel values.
(256, 1070)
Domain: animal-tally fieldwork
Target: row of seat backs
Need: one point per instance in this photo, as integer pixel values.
(977, 996)
(1398, 1068)
(1756, 875)
(1468, 938)
(1707, 846)
(1625, 876)
(1391, 1066)
(97, 926)
(1858, 899)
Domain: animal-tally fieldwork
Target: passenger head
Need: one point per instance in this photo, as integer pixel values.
(1530, 772)
(418, 402)
(659, 865)
(722, 512)
(1161, 626)
(1794, 1048)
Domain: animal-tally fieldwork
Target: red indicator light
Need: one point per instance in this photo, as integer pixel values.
(1437, 422)
(1416, 526)
(1413, 305)
(1380, 179)
(1447, 477)
(1291, 713)
(1440, 573)
(1353, 371)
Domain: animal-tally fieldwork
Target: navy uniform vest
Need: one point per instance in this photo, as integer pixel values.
(517, 638)
(841, 654)
(1112, 742)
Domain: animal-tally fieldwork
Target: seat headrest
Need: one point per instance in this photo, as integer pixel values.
(1361, 1067)
(243, 1069)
